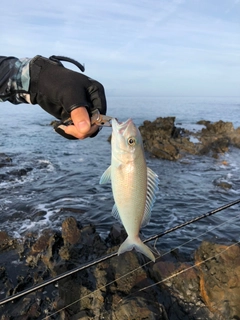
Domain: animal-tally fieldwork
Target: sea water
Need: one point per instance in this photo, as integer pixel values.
(51, 178)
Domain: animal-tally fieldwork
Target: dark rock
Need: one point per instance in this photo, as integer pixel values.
(157, 137)
(2, 272)
(179, 284)
(6, 242)
(128, 301)
(80, 243)
(41, 249)
(41, 243)
(203, 122)
(70, 232)
(88, 234)
(219, 127)
(22, 283)
(123, 287)
(137, 308)
(50, 256)
(167, 152)
(39, 215)
(117, 234)
(222, 184)
(5, 160)
(219, 271)
(28, 308)
(74, 210)
(20, 172)
(162, 139)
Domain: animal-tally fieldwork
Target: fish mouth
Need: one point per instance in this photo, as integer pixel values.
(121, 127)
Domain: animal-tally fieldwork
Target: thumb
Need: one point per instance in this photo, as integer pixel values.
(81, 119)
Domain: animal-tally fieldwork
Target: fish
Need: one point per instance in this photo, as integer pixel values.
(134, 185)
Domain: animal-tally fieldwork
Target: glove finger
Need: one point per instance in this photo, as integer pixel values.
(97, 97)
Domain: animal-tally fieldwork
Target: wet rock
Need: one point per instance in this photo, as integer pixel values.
(29, 307)
(42, 242)
(204, 122)
(167, 151)
(5, 160)
(219, 127)
(2, 272)
(80, 243)
(157, 137)
(41, 250)
(179, 285)
(129, 302)
(116, 235)
(162, 139)
(22, 283)
(39, 215)
(74, 210)
(137, 308)
(20, 172)
(70, 232)
(222, 183)
(123, 287)
(50, 256)
(219, 271)
(6, 242)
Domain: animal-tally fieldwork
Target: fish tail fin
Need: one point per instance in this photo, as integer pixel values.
(138, 245)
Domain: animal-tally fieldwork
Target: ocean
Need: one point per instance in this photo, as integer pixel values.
(50, 178)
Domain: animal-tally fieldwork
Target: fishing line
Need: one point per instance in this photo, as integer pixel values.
(180, 272)
(57, 278)
(208, 214)
(130, 272)
(108, 256)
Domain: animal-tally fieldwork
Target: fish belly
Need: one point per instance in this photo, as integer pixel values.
(129, 185)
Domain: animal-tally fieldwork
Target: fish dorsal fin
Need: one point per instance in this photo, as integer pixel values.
(106, 176)
(115, 213)
(152, 188)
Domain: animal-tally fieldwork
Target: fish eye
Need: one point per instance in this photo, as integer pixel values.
(131, 141)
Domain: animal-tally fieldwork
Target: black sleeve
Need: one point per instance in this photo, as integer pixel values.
(14, 79)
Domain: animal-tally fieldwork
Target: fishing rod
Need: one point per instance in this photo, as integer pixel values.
(111, 255)
(205, 215)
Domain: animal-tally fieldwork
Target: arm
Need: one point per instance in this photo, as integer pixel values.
(14, 79)
(61, 92)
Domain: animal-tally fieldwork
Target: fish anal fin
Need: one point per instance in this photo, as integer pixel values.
(115, 213)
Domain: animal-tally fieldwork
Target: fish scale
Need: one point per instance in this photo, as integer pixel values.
(134, 186)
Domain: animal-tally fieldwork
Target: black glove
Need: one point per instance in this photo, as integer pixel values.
(59, 90)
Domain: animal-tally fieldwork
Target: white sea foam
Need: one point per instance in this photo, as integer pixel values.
(194, 140)
(62, 178)
(49, 165)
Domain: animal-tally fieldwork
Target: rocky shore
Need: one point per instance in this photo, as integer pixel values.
(202, 286)
(123, 287)
(163, 139)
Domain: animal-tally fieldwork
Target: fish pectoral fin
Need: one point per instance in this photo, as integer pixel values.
(152, 188)
(106, 176)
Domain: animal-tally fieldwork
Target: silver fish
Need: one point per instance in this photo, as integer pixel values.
(134, 185)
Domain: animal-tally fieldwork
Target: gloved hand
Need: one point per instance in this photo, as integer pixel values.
(63, 92)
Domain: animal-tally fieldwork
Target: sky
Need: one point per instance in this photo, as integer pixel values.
(134, 47)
